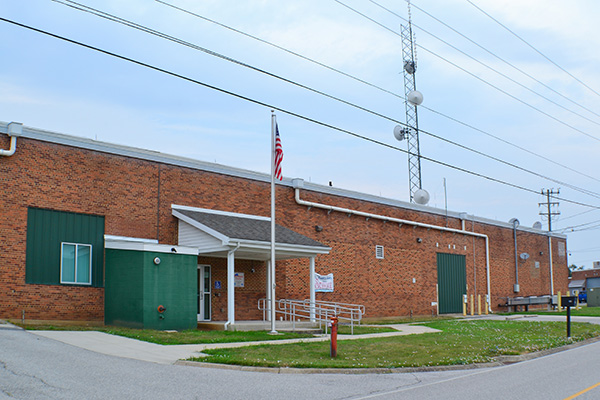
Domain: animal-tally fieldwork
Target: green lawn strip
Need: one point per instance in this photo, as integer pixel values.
(583, 312)
(461, 342)
(183, 337)
(408, 320)
(361, 330)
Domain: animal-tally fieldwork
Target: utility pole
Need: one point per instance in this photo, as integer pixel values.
(551, 207)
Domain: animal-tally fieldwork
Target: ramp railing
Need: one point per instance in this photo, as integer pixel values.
(318, 311)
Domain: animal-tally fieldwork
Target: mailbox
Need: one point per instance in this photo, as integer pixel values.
(568, 301)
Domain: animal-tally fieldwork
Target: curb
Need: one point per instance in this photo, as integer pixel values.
(343, 371)
(499, 361)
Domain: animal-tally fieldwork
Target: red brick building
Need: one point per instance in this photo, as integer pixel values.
(393, 257)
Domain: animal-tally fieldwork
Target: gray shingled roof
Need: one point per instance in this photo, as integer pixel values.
(246, 228)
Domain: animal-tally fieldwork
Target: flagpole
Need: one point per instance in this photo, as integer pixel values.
(272, 288)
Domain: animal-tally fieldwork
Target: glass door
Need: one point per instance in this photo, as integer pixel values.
(204, 306)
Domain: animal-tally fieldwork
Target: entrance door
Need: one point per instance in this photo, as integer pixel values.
(452, 282)
(204, 305)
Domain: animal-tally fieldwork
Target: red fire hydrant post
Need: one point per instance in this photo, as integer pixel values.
(334, 330)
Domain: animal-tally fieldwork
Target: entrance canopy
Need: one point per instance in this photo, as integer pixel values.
(215, 233)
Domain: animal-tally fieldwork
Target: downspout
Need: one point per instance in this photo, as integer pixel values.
(15, 129)
(515, 223)
(230, 288)
(298, 184)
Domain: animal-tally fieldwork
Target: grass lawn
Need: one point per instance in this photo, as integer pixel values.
(585, 311)
(414, 320)
(361, 330)
(461, 342)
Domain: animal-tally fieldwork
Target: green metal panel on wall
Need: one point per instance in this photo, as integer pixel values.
(47, 229)
(452, 282)
(123, 288)
(136, 287)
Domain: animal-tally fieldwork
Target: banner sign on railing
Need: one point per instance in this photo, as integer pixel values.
(323, 283)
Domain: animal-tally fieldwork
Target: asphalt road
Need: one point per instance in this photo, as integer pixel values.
(35, 367)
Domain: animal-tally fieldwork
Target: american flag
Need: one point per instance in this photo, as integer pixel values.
(278, 154)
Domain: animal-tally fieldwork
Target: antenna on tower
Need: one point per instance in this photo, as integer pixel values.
(413, 99)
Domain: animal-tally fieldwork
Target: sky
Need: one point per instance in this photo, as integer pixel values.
(530, 98)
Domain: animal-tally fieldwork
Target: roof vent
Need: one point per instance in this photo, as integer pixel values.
(379, 252)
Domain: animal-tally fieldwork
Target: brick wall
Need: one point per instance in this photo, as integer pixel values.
(587, 273)
(135, 196)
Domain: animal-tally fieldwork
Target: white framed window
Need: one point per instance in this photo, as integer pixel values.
(379, 252)
(76, 263)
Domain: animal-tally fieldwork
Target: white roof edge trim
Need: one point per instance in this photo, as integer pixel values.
(129, 239)
(203, 250)
(253, 244)
(201, 227)
(156, 156)
(352, 194)
(219, 212)
(149, 247)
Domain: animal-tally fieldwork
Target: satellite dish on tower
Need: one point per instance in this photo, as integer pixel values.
(537, 225)
(399, 132)
(421, 196)
(415, 97)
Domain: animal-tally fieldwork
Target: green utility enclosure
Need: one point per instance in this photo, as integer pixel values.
(150, 289)
(593, 297)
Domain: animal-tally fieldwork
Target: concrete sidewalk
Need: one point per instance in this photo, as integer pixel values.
(120, 346)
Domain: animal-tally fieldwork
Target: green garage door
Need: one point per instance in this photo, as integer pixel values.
(452, 282)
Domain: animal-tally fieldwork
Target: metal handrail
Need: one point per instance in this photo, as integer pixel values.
(317, 311)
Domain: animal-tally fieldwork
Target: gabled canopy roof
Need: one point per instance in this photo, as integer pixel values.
(215, 233)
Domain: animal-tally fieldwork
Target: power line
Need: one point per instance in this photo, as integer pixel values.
(499, 58)
(279, 48)
(589, 228)
(509, 143)
(475, 76)
(271, 106)
(576, 215)
(581, 225)
(487, 66)
(145, 29)
(533, 48)
(368, 84)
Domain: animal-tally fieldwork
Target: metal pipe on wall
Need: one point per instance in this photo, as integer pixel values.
(298, 184)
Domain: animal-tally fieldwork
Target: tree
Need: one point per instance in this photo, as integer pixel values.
(574, 267)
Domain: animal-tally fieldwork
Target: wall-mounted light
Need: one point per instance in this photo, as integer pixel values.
(252, 270)
(419, 240)
(318, 228)
(541, 253)
(156, 260)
